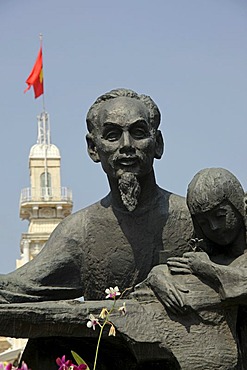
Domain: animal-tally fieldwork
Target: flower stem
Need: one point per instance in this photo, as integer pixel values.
(97, 348)
(106, 321)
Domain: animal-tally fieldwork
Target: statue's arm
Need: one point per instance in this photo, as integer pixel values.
(233, 281)
(56, 272)
(229, 281)
(197, 263)
(160, 283)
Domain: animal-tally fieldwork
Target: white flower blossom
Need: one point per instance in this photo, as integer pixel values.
(92, 322)
(112, 292)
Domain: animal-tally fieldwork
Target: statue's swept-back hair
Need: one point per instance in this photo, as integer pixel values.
(210, 187)
(92, 116)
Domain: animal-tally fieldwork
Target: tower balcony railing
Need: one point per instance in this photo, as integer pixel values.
(62, 194)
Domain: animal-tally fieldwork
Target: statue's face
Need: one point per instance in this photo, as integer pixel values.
(124, 139)
(221, 224)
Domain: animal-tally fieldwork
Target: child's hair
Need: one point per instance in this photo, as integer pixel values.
(209, 188)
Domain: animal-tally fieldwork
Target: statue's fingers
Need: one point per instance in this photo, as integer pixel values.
(180, 270)
(176, 259)
(182, 289)
(173, 306)
(176, 297)
(170, 308)
(177, 263)
(189, 254)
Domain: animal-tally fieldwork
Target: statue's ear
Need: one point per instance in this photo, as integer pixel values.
(91, 148)
(159, 146)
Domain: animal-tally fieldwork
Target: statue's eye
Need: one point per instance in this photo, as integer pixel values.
(112, 135)
(139, 133)
(221, 213)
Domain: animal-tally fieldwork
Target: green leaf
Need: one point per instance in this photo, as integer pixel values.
(78, 359)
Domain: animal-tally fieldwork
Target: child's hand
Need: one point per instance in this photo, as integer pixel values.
(190, 263)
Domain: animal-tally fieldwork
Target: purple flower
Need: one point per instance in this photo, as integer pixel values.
(8, 367)
(80, 367)
(23, 367)
(2, 366)
(62, 363)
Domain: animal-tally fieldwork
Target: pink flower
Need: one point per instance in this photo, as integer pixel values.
(23, 367)
(112, 292)
(8, 367)
(80, 367)
(64, 365)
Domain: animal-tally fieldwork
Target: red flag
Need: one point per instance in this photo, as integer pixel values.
(35, 78)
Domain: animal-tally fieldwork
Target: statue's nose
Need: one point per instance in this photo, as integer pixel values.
(126, 143)
(214, 224)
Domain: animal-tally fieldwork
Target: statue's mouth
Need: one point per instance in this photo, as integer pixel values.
(127, 161)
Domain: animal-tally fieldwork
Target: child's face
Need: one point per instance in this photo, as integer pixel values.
(221, 224)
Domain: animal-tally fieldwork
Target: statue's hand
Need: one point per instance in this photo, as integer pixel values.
(190, 263)
(169, 293)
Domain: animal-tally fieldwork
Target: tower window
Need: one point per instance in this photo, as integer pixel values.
(45, 184)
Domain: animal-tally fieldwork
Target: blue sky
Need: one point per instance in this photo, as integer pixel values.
(189, 56)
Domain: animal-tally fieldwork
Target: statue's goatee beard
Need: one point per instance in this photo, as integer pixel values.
(130, 189)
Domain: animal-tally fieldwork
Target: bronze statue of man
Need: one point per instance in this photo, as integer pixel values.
(117, 240)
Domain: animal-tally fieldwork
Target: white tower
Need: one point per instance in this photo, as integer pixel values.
(45, 203)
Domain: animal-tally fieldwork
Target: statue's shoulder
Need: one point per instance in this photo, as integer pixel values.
(176, 203)
(76, 225)
(98, 209)
(178, 228)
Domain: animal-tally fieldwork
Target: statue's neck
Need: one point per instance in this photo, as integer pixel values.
(148, 194)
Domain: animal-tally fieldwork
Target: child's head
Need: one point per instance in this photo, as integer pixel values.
(215, 199)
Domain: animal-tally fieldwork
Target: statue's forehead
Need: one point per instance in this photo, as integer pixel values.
(211, 206)
(123, 109)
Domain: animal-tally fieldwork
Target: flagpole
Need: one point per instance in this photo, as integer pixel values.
(41, 46)
(45, 128)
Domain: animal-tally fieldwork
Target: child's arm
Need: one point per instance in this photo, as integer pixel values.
(229, 281)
